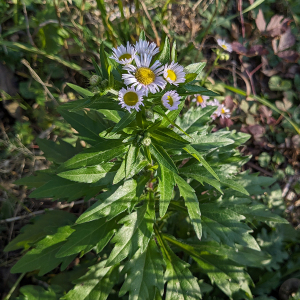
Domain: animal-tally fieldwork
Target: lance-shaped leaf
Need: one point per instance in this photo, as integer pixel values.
(182, 285)
(172, 115)
(165, 188)
(87, 235)
(164, 55)
(174, 52)
(196, 89)
(88, 174)
(195, 68)
(100, 153)
(145, 274)
(111, 203)
(225, 226)
(191, 202)
(124, 122)
(83, 92)
(42, 257)
(97, 283)
(135, 233)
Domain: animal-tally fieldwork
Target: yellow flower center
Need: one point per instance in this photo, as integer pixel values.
(224, 46)
(125, 56)
(170, 100)
(171, 75)
(131, 98)
(144, 75)
(223, 111)
(199, 99)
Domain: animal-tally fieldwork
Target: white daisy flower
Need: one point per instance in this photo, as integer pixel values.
(131, 99)
(223, 112)
(214, 102)
(174, 73)
(224, 45)
(143, 47)
(170, 100)
(201, 100)
(124, 55)
(143, 76)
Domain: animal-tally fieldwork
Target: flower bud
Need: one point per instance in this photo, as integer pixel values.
(95, 80)
(146, 141)
(149, 114)
(104, 84)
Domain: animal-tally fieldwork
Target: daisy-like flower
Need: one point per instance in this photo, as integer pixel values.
(201, 100)
(174, 73)
(223, 112)
(143, 47)
(170, 100)
(131, 99)
(124, 55)
(224, 45)
(143, 76)
(214, 102)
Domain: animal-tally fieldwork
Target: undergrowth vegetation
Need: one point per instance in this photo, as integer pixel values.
(165, 168)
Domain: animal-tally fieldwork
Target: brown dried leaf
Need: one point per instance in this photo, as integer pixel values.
(228, 102)
(287, 40)
(257, 50)
(280, 105)
(239, 48)
(256, 130)
(260, 21)
(287, 104)
(277, 26)
(289, 56)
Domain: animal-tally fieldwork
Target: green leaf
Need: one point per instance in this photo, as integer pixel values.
(104, 62)
(111, 115)
(98, 154)
(191, 202)
(189, 149)
(40, 178)
(97, 283)
(142, 36)
(162, 157)
(58, 153)
(144, 274)
(210, 142)
(35, 292)
(181, 284)
(171, 116)
(124, 122)
(225, 226)
(135, 233)
(88, 174)
(86, 236)
(195, 68)
(43, 225)
(111, 203)
(96, 66)
(196, 89)
(168, 139)
(165, 188)
(43, 258)
(174, 52)
(86, 124)
(83, 92)
(276, 83)
(164, 55)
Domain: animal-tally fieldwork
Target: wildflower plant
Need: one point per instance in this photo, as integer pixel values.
(171, 213)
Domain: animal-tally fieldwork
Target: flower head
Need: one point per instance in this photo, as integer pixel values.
(143, 47)
(174, 73)
(124, 55)
(224, 45)
(143, 76)
(201, 100)
(170, 100)
(223, 112)
(130, 98)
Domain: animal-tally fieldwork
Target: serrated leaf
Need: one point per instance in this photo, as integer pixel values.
(43, 225)
(83, 92)
(191, 202)
(95, 284)
(111, 203)
(42, 257)
(90, 174)
(144, 274)
(164, 55)
(165, 187)
(135, 233)
(98, 154)
(86, 236)
(162, 157)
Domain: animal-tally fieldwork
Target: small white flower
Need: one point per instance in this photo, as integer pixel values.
(201, 100)
(143, 76)
(131, 99)
(174, 73)
(224, 45)
(214, 102)
(223, 112)
(143, 47)
(170, 100)
(124, 55)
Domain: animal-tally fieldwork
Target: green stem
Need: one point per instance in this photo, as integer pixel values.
(211, 68)
(14, 286)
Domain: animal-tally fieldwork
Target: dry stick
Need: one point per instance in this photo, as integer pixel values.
(253, 166)
(240, 8)
(27, 25)
(38, 79)
(151, 22)
(288, 184)
(196, 5)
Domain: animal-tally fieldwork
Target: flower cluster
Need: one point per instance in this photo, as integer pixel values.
(142, 75)
(221, 110)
